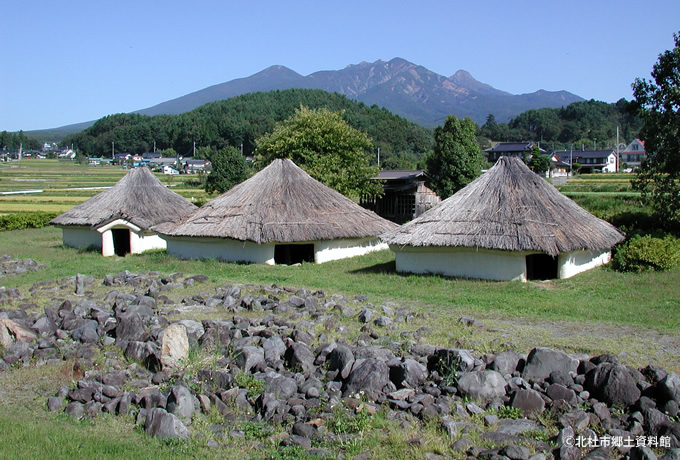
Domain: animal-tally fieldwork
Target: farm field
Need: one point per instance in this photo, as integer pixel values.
(633, 316)
(63, 184)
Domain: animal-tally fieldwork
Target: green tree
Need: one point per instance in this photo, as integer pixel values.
(538, 163)
(457, 159)
(657, 102)
(228, 169)
(323, 144)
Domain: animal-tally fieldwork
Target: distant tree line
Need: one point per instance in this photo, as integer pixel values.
(12, 141)
(579, 124)
(240, 121)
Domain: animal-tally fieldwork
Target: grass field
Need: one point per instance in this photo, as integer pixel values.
(631, 315)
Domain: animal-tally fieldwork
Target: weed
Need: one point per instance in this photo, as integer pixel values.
(257, 430)
(344, 421)
(254, 385)
(509, 412)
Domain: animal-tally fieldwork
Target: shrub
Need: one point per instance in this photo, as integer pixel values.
(20, 221)
(645, 253)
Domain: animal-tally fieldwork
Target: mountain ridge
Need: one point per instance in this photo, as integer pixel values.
(402, 87)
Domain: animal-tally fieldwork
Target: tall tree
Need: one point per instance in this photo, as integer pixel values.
(657, 103)
(323, 144)
(457, 159)
(228, 169)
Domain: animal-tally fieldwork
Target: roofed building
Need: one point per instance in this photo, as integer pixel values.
(522, 150)
(118, 220)
(281, 215)
(633, 155)
(592, 161)
(405, 195)
(508, 224)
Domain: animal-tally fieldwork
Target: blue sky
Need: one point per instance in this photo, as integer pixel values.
(70, 61)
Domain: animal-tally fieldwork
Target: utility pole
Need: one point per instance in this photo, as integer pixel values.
(378, 157)
(113, 150)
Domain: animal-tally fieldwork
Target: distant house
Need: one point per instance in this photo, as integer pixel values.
(633, 155)
(406, 195)
(167, 169)
(604, 161)
(522, 150)
(195, 166)
(151, 155)
(122, 157)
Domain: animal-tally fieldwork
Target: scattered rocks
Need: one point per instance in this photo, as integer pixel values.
(278, 365)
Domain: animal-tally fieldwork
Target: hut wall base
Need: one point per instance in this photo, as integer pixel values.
(465, 263)
(81, 237)
(220, 248)
(325, 251)
(575, 262)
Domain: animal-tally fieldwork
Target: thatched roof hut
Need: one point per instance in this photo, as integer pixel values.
(508, 211)
(281, 208)
(119, 219)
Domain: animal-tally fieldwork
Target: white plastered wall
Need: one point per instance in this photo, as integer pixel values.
(325, 251)
(461, 262)
(80, 237)
(575, 262)
(246, 251)
(220, 248)
(488, 264)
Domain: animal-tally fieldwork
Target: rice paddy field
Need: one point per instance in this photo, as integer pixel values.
(58, 185)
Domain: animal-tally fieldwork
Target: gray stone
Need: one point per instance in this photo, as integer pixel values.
(45, 325)
(131, 328)
(408, 373)
(370, 376)
(542, 361)
(528, 401)
(249, 358)
(163, 425)
(669, 387)
(515, 452)
(75, 409)
(558, 392)
(505, 362)
(612, 384)
(299, 357)
(485, 385)
(642, 453)
(341, 360)
(181, 402)
(54, 403)
(280, 386)
(86, 332)
(274, 348)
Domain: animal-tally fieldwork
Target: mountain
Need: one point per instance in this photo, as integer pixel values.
(404, 88)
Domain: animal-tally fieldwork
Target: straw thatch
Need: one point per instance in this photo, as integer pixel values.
(282, 204)
(139, 198)
(508, 208)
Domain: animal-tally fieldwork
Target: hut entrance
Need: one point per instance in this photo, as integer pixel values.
(289, 254)
(121, 241)
(541, 267)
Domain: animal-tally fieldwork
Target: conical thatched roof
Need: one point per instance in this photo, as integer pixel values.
(508, 208)
(283, 204)
(139, 197)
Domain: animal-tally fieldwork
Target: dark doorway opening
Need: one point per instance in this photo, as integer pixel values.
(541, 267)
(121, 241)
(289, 254)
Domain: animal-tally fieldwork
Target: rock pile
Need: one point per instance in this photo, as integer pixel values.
(274, 362)
(10, 266)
